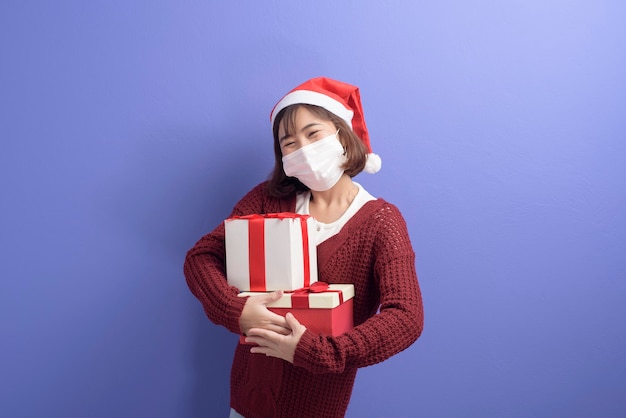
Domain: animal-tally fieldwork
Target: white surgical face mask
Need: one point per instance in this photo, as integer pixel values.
(318, 165)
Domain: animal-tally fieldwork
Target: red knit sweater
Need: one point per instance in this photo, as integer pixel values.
(373, 252)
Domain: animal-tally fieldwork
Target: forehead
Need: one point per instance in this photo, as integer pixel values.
(298, 117)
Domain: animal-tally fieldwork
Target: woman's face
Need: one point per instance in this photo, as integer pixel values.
(307, 129)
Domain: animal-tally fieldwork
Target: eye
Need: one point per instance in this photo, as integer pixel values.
(287, 143)
(313, 133)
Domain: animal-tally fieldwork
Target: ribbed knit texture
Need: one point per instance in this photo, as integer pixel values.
(373, 252)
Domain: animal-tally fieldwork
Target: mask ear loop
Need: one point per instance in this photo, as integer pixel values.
(345, 150)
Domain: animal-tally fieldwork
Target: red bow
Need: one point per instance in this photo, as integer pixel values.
(279, 215)
(300, 297)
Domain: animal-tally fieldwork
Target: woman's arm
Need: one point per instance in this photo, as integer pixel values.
(205, 272)
(206, 277)
(400, 319)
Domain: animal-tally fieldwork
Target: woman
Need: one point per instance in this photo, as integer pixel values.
(320, 142)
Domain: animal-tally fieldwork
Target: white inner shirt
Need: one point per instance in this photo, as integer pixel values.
(325, 231)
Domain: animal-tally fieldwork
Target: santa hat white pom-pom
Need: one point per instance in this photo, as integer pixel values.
(373, 163)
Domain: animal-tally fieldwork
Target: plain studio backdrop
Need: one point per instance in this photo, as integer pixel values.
(129, 129)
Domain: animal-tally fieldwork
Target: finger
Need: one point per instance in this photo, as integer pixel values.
(270, 297)
(277, 319)
(291, 320)
(278, 329)
(259, 341)
(261, 350)
(260, 333)
(265, 337)
(274, 296)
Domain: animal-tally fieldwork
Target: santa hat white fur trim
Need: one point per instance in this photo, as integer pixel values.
(314, 98)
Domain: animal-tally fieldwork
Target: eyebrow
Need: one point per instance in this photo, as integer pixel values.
(310, 125)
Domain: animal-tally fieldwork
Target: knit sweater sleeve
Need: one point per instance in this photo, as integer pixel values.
(400, 318)
(205, 268)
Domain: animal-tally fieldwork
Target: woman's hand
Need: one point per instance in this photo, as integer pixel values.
(275, 344)
(256, 315)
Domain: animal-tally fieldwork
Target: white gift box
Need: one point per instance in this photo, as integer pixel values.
(271, 252)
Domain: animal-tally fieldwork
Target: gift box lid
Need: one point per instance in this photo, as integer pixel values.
(279, 216)
(319, 295)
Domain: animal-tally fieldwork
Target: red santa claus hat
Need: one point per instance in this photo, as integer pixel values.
(342, 99)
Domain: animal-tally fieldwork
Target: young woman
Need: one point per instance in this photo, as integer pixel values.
(320, 142)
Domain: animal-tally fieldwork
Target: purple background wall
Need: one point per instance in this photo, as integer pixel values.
(129, 129)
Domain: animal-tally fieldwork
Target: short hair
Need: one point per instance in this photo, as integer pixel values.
(280, 185)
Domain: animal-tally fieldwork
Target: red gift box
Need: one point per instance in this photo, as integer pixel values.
(322, 308)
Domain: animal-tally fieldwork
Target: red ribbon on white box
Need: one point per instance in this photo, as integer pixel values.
(256, 246)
